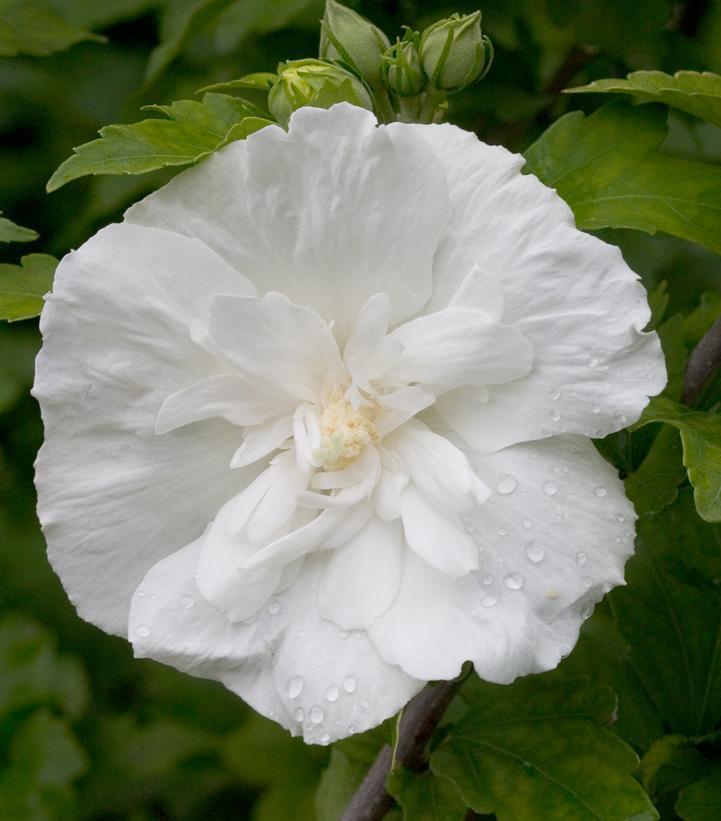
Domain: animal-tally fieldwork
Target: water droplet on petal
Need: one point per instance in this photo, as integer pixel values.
(564, 650)
(186, 602)
(557, 469)
(595, 409)
(503, 532)
(535, 552)
(550, 488)
(555, 394)
(350, 683)
(332, 693)
(586, 582)
(365, 704)
(620, 518)
(581, 558)
(593, 362)
(514, 581)
(274, 608)
(587, 610)
(295, 686)
(506, 484)
(487, 579)
(600, 491)
(342, 634)
(143, 631)
(556, 416)
(317, 714)
(299, 714)
(489, 601)
(325, 738)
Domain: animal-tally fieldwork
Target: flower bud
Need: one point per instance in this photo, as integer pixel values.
(454, 52)
(314, 83)
(348, 38)
(401, 67)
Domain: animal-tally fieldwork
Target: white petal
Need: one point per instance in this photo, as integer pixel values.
(262, 440)
(367, 347)
(269, 338)
(114, 497)
(480, 291)
(438, 537)
(457, 346)
(362, 576)
(571, 295)
(357, 482)
(290, 664)
(387, 494)
(438, 468)
(400, 406)
(226, 395)
(330, 213)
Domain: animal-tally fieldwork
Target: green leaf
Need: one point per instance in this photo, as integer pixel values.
(426, 797)
(691, 91)
(260, 81)
(670, 615)
(538, 749)
(658, 303)
(338, 782)
(655, 484)
(701, 440)
(34, 29)
(22, 287)
(702, 318)
(193, 131)
(608, 169)
(701, 801)
(673, 343)
(10, 232)
(671, 763)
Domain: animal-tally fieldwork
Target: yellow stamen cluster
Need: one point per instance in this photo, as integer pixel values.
(344, 430)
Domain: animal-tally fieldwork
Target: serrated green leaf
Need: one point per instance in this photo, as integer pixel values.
(537, 749)
(608, 169)
(701, 440)
(426, 797)
(194, 130)
(701, 801)
(22, 287)
(655, 484)
(697, 93)
(670, 615)
(10, 232)
(34, 29)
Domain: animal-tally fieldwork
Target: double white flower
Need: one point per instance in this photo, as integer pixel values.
(316, 418)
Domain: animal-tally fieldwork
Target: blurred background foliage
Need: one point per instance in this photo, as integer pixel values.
(86, 731)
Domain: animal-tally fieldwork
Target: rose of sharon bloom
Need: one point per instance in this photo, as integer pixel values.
(317, 418)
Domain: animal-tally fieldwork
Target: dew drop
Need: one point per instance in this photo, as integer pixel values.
(556, 416)
(143, 631)
(513, 581)
(550, 488)
(186, 602)
(600, 491)
(557, 469)
(587, 582)
(527, 524)
(564, 650)
(332, 693)
(535, 552)
(555, 394)
(489, 601)
(487, 579)
(620, 518)
(503, 532)
(140, 594)
(365, 704)
(506, 484)
(295, 686)
(581, 558)
(317, 714)
(595, 409)
(324, 739)
(352, 729)
(299, 714)
(343, 634)
(587, 610)
(593, 362)
(274, 608)
(350, 683)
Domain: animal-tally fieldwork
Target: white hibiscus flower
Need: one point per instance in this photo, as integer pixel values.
(317, 413)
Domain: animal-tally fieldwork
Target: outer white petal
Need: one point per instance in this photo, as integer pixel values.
(362, 577)
(330, 213)
(572, 297)
(553, 540)
(262, 440)
(289, 664)
(113, 496)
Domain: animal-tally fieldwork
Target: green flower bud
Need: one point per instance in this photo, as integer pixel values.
(348, 38)
(401, 67)
(454, 52)
(314, 83)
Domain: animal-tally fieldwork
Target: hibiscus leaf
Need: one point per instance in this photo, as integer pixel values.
(670, 615)
(538, 749)
(34, 29)
(10, 232)
(608, 169)
(669, 764)
(426, 796)
(701, 801)
(701, 440)
(655, 484)
(338, 782)
(192, 131)
(697, 93)
(22, 287)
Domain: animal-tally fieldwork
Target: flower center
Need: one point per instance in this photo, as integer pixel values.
(345, 430)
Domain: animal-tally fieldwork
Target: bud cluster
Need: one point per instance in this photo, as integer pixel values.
(407, 80)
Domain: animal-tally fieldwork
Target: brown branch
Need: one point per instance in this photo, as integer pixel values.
(371, 801)
(703, 364)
